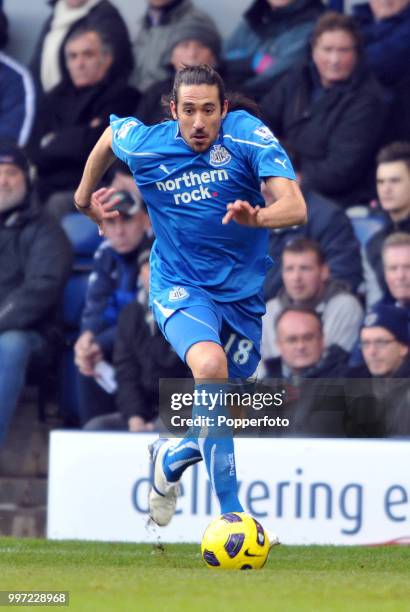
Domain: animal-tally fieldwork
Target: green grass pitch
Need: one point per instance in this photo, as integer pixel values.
(128, 577)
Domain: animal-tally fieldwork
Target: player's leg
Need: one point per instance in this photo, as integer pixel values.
(208, 362)
(172, 457)
(194, 333)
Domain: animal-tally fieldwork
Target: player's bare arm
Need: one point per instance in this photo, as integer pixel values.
(287, 209)
(97, 204)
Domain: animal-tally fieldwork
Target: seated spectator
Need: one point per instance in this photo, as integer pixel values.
(329, 226)
(313, 408)
(325, 109)
(17, 97)
(113, 283)
(380, 406)
(67, 15)
(141, 357)
(393, 190)
(36, 261)
(189, 46)
(385, 28)
(396, 265)
(160, 24)
(271, 38)
(74, 114)
(307, 283)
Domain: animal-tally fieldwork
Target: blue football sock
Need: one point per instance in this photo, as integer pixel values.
(213, 444)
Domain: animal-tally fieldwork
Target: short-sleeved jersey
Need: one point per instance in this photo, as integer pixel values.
(187, 193)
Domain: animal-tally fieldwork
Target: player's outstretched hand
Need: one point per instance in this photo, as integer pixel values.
(241, 212)
(100, 207)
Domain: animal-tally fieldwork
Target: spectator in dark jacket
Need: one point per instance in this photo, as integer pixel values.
(67, 15)
(385, 28)
(17, 97)
(4, 28)
(112, 285)
(330, 227)
(380, 406)
(393, 189)
(272, 37)
(313, 407)
(74, 114)
(326, 110)
(35, 263)
(141, 357)
(396, 265)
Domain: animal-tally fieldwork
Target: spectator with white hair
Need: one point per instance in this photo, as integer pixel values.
(66, 16)
(73, 115)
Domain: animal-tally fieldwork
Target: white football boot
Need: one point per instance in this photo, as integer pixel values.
(163, 495)
(273, 539)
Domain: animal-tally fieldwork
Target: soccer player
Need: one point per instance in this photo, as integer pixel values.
(200, 176)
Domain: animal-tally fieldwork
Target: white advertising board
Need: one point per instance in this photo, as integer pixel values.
(308, 491)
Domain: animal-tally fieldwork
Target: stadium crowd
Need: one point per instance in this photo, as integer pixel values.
(333, 87)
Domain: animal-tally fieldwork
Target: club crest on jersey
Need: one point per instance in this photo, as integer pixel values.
(125, 128)
(264, 133)
(219, 156)
(177, 293)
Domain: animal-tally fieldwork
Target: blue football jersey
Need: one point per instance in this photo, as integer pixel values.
(187, 192)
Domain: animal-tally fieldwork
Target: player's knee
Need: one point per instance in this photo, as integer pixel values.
(209, 363)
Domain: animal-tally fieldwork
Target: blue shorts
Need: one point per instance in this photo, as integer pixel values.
(187, 315)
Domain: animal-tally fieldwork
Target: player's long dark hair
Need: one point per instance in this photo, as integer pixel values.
(206, 75)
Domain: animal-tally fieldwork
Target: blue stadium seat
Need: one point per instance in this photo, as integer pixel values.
(365, 227)
(84, 238)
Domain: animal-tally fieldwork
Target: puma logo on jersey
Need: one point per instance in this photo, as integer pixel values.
(282, 162)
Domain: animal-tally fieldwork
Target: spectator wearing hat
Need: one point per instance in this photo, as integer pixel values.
(382, 405)
(66, 16)
(73, 115)
(113, 283)
(141, 357)
(271, 38)
(189, 45)
(35, 263)
(17, 96)
(159, 26)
